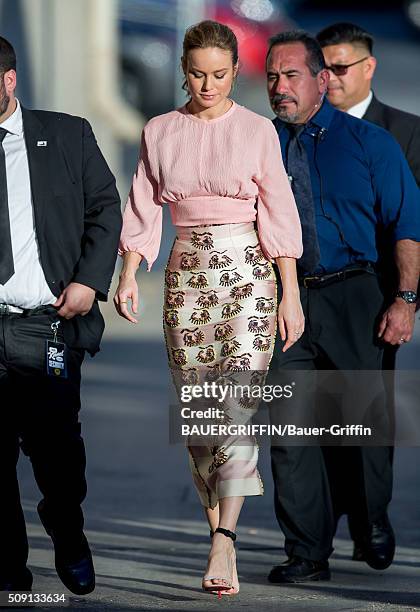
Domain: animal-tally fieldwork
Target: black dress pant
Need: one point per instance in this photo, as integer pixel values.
(313, 482)
(38, 414)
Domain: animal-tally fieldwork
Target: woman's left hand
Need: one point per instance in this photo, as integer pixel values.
(291, 320)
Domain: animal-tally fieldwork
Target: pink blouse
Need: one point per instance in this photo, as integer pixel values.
(223, 170)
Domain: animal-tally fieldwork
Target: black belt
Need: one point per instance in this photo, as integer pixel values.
(322, 280)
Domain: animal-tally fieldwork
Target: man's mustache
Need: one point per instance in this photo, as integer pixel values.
(279, 98)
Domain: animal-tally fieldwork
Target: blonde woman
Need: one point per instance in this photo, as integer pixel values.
(219, 168)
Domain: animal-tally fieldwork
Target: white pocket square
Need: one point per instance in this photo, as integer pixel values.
(41, 143)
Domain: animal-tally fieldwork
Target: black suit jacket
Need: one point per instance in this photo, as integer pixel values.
(403, 126)
(406, 130)
(77, 213)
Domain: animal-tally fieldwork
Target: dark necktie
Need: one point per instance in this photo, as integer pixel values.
(6, 254)
(298, 170)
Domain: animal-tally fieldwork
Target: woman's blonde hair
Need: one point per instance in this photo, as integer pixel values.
(209, 34)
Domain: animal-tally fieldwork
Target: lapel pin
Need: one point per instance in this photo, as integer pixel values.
(41, 143)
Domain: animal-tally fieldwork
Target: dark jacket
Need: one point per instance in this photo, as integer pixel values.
(403, 126)
(77, 213)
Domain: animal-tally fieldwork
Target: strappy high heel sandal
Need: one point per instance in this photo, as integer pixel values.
(223, 589)
(234, 590)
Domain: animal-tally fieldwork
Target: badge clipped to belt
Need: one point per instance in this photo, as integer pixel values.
(56, 355)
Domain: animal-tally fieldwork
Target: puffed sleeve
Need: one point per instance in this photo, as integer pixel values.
(142, 219)
(278, 220)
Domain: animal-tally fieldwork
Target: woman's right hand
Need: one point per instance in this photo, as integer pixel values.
(127, 290)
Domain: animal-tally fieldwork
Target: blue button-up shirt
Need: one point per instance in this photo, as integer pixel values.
(361, 182)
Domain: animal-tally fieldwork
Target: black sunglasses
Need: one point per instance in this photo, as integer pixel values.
(341, 69)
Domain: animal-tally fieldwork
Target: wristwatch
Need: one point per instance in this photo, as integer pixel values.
(410, 297)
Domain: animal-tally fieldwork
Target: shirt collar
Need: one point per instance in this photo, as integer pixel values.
(321, 119)
(358, 110)
(14, 123)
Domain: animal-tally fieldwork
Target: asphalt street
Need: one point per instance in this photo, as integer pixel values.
(143, 519)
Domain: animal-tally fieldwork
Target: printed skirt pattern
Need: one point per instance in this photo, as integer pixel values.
(219, 319)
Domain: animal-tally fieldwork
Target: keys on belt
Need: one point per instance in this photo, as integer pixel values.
(322, 280)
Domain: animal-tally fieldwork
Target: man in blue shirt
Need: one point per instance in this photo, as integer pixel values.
(350, 179)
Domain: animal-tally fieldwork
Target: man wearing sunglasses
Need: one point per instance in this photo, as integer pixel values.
(347, 50)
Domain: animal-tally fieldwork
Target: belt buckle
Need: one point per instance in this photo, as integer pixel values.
(4, 309)
(309, 278)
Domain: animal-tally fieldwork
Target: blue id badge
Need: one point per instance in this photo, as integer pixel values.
(56, 355)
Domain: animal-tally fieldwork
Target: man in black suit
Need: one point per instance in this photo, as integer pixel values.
(347, 50)
(60, 222)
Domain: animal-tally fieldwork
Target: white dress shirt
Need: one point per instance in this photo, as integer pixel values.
(358, 110)
(27, 288)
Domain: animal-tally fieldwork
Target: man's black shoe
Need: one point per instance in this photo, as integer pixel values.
(298, 569)
(358, 552)
(73, 560)
(18, 582)
(378, 548)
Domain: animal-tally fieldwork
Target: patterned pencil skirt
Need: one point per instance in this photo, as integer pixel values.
(220, 316)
